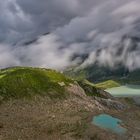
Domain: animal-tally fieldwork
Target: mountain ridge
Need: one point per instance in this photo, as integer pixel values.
(97, 74)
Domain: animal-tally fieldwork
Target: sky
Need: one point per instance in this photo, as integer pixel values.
(107, 32)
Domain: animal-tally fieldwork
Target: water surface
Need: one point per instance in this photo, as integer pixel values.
(108, 122)
(125, 91)
(131, 91)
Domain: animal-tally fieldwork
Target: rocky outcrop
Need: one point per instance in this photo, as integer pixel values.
(112, 104)
(97, 97)
(93, 91)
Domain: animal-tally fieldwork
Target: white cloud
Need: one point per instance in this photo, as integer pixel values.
(7, 57)
(76, 27)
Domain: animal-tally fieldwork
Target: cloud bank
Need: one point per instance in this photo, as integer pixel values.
(107, 32)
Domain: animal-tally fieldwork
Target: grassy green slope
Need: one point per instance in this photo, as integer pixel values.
(107, 84)
(25, 82)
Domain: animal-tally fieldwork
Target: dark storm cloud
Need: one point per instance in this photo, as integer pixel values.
(76, 26)
(22, 19)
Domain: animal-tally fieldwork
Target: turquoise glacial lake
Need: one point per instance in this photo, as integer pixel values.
(108, 122)
(132, 91)
(125, 91)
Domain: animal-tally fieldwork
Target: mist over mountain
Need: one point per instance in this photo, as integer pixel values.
(79, 33)
(125, 53)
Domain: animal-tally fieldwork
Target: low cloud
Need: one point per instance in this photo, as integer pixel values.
(48, 51)
(7, 56)
(107, 32)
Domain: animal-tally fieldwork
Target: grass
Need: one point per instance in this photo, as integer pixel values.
(25, 82)
(107, 84)
(89, 83)
(1, 76)
(20, 82)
